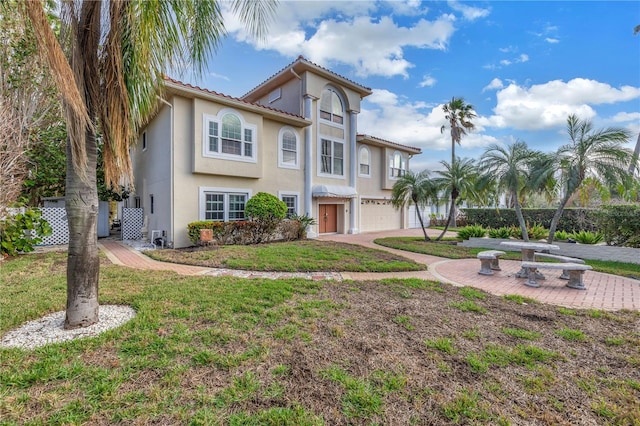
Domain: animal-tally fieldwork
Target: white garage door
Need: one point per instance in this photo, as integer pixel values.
(414, 222)
(379, 215)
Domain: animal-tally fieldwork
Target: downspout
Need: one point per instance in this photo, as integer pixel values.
(353, 163)
(171, 167)
(308, 165)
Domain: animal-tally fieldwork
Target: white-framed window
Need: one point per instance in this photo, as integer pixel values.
(331, 108)
(398, 165)
(364, 162)
(288, 148)
(275, 95)
(331, 157)
(291, 200)
(228, 136)
(223, 204)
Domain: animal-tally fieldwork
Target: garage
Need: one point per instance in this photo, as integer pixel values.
(414, 221)
(379, 215)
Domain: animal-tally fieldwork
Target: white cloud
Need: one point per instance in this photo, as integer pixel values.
(523, 58)
(623, 117)
(344, 32)
(496, 83)
(218, 76)
(505, 62)
(547, 105)
(469, 13)
(428, 81)
(419, 125)
(552, 40)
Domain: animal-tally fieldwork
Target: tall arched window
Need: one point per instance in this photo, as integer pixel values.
(398, 165)
(227, 135)
(331, 108)
(231, 135)
(364, 158)
(289, 152)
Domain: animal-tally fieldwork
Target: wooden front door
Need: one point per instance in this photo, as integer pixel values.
(328, 218)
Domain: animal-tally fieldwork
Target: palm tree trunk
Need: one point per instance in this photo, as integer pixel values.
(451, 210)
(83, 263)
(424, 231)
(452, 213)
(636, 154)
(523, 225)
(556, 217)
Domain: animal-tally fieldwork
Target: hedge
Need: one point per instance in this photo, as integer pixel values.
(573, 219)
(243, 232)
(620, 225)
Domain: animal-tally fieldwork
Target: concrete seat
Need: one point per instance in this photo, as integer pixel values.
(489, 261)
(565, 273)
(575, 270)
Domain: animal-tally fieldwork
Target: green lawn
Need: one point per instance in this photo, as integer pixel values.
(230, 351)
(295, 256)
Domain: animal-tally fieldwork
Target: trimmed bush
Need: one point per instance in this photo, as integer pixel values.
(572, 218)
(242, 232)
(267, 211)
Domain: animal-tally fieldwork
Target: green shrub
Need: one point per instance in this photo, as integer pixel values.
(193, 229)
(304, 222)
(537, 231)
(242, 232)
(620, 225)
(572, 218)
(265, 207)
(467, 232)
(515, 232)
(562, 235)
(503, 232)
(587, 237)
(20, 232)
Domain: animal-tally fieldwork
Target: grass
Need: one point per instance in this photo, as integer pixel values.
(230, 351)
(295, 256)
(418, 245)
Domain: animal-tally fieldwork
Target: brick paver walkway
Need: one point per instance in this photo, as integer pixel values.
(604, 291)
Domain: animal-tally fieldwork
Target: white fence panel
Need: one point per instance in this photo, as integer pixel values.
(132, 221)
(57, 218)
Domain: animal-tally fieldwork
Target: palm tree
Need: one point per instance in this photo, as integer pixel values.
(458, 182)
(590, 153)
(416, 188)
(459, 115)
(510, 169)
(108, 67)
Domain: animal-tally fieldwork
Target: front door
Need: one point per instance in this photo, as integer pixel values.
(328, 218)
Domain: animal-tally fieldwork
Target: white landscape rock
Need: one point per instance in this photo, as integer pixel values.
(50, 329)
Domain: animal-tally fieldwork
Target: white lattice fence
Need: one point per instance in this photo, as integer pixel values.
(132, 221)
(57, 218)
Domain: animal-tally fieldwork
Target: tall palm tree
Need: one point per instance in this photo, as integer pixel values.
(416, 188)
(456, 182)
(459, 115)
(598, 154)
(510, 168)
(108, 67)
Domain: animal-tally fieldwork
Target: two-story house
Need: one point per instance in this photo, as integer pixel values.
(204, 154)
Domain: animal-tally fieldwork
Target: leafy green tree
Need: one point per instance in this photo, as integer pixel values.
(416, 188)
(456, 182)
(108, 66)
(597, 154)
(510, 169)
(459, 115)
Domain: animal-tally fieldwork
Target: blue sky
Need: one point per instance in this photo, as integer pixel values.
(524, 66)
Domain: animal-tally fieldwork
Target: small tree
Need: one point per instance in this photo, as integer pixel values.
(414, 188)
(268, 211)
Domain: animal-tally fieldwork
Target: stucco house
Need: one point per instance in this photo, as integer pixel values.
(204, 154)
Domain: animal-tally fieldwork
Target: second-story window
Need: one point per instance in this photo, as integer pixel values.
(332, 157)
(331, 108)
(398, 165)
(228, 136)
(365, 162)
(288, 155)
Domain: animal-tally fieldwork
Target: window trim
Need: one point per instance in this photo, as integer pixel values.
(281, 162)
(364, 148)
(202, 197)
(319, 161)
(244, 126)
(291, 194)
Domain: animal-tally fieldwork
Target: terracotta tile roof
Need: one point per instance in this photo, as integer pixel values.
(231, 98)
(302, 59)
(361, 136)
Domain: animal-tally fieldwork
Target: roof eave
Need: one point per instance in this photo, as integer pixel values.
(372, 140)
